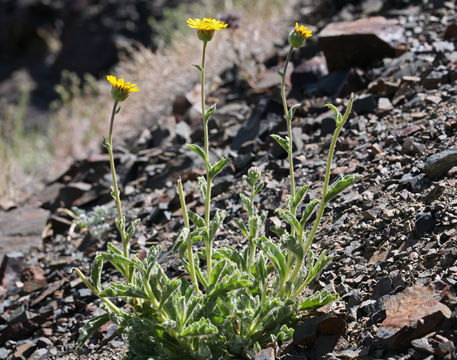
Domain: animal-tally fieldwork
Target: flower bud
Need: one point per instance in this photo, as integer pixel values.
(298, 35)
(254, 173)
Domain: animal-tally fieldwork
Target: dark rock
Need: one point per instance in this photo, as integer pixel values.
(308, 332)
(33, 278)
(439, 164)
(340, 83)
(451, 31)
(416, 183)
(180, 106)
(360, 42)
(309, 71)
(374, 309)
(364, 104)
(383, 287)
(182, 132)
(425, 223)
(10, 269)
(411, 147)
(411, 314)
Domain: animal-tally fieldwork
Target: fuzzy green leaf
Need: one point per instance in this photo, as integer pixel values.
(196, 219)
(96, 273)
(341, 184)
(199, 151)
(259, 188)
(203, 327)
(121, 289)
(210, 111)
(317, 300)
(217, 168)
(292, 111)
(289, 218)
(299, 196)
(131, 230)
(91, 327)
(308, 211)
(241, 226)
(198, 67)
(284, 142)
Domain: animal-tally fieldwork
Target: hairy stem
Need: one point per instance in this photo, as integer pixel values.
(208, 244)
(117, 198)
(190, 255)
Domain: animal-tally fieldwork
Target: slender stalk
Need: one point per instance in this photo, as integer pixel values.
(117, 198)
(108, 302)
(325, 189)
(209, 250)
(190, 255)
(289, 124)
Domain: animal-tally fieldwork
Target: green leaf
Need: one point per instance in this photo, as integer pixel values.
(284, 142)
(114, 258)
(280, 73)
(292, 111)
(199, 151)
(261, 268)
(278, 230)
(121, 289)
(113, 249)
(217, 168)
(338, 117)
(215, 224)
(247, 203)
(253, 227)
(341, 184)
(131, 230)
(198, 67)
(96, 273)
(259, 188)
(196, 219)
(181, 240)
(308, 211)
(168, 291)
(291, 243)
(289, 218)
(241, 226)
(91, 327)
(317, 300)
(217, 271)
(203, 186)
(210, 111)
(275, 255)
(299, 196)
(202, 327)
(229, 283)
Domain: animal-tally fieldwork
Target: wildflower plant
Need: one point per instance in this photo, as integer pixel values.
(235, 302)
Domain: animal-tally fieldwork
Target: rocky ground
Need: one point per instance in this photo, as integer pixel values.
(393, 235)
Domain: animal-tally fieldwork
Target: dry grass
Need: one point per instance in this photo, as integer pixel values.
(78, 127)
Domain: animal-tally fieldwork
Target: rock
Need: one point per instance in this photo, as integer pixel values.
(10, 269)
(265, 354)
(411, 314)
(425, 223)
(180, 106)
(364, 104)
(340, 83)
(360, 42)
(411, 147)
(182, 132)
(24, 350)
(384, 105)
(439, 164)
(311, 329)
(383, 287)
(21, 228)
(39, 354)
(33, 278)
(423, 345)
(416, 183)
(309, 71)
(451, 31)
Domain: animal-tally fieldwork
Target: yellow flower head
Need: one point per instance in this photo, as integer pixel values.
(121, 90)
(206, 27)
(298, 35)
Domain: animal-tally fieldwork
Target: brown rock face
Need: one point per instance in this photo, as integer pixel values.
(361, 42)
(411, 314)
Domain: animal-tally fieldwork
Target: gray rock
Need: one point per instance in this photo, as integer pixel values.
(439, 164)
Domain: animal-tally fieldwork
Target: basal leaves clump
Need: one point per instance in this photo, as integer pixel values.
(239, 301)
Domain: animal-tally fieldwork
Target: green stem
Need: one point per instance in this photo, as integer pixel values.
(325, 189)
(108, 302)
(208, 245)
(190, 254)
(117, 198)
(289, 124)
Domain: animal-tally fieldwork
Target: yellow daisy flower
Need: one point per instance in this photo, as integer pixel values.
(121, 89)
(298, 35)
(206, 27)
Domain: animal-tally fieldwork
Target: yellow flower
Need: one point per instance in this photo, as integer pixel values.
(121, 90)
(298, 35)
(206, 27)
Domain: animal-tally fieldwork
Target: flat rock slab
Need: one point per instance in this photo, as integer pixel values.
(439, 164)
(411, 314)
(361, 42)
(20, 229)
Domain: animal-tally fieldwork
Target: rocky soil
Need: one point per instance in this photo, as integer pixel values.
(393, 235)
